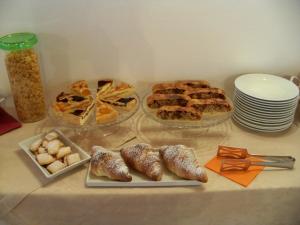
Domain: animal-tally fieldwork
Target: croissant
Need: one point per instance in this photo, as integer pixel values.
(109, 164)
(141, 158)
(182, 161)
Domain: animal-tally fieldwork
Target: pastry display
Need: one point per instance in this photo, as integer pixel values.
(182, 161)
(141, 158)
(112, 101)
(109, 164)
(53, 154)
(145, 165)
(186, 100)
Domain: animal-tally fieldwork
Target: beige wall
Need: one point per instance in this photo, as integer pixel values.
(138, 40)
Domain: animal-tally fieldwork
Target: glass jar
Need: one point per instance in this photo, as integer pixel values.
(24, 74)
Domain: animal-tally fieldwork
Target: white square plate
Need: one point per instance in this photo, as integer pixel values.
(25, 146)
(139, 180)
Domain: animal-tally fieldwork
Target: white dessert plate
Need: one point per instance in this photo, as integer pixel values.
(267, 87)
(138, 180)
(25, 146)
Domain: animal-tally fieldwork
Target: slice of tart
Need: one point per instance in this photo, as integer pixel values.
(121, 90)
(105, 113)
(104, 86)
(80, 88)
(77, 116)
(126, 104)
(67, 101)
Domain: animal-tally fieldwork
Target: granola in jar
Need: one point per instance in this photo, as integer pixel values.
(25, 80)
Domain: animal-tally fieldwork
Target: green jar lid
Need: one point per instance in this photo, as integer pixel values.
(18, 41)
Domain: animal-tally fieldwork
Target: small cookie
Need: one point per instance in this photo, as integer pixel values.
(44, 159)
(63, 152)
(53, 146)
(73, 158)
(51, 136)
(45, 143)
(41, 150)
(35, 145)
(55, 166)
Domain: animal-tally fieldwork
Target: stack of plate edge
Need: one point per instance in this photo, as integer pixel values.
(263, 115)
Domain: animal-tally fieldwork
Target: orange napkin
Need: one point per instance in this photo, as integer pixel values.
(243, 178)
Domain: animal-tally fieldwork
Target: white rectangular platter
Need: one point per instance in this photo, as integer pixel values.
(139, 180)
(25, 146)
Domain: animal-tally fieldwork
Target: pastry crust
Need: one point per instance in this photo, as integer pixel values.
(194, 83)
(80, 87)
(158, 100)
(168, 88)
(182, 161)
(141, 158)
(178, 113)
(205, 93)
(109, 164)
(105, 113)
(121, 90)
(210, 105)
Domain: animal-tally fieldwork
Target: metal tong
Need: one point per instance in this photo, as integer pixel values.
(236, 159)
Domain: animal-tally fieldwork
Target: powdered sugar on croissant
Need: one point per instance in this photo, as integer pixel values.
(182, 161)
(109, 164)
(144, 160)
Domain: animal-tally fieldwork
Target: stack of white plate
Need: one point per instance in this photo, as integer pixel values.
(265, 102)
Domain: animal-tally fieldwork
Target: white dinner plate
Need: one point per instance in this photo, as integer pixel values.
(266, 103)
(260, 128)
(262, 123)
(263, 112)
(267, 87)
(264, 120)
(266, 107)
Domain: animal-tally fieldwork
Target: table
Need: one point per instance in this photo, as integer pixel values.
(273, 198)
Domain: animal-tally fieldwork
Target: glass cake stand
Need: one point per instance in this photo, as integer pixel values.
(207, 120)
(91, 124)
